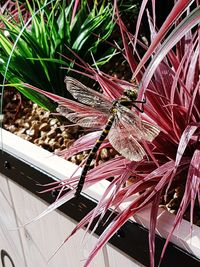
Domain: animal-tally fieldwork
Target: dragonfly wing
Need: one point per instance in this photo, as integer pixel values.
(124, 142)
(84, 118)
(86, 95)
(87, 121)
(149, 131)
(139, 128)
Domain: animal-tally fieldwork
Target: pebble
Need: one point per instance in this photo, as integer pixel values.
(38, 141)
(32, 132)
(21, 131)
(46, 141)
(12, 128)
(43, 135)
(44, 127)
(80, 157)
(26, 125)
(53, 122)
(51, 133)
(73, 159)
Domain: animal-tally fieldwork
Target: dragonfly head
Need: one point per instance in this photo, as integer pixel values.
(131, 94)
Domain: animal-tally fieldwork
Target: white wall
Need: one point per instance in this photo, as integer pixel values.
(34, 245)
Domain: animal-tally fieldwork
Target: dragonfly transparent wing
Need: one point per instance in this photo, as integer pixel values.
(85, 118)
(138, 128)
(87, 96)
(124, 142)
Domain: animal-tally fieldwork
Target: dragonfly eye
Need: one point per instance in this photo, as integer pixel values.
(131, 94)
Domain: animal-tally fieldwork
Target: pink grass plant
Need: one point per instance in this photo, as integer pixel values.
(168, 77)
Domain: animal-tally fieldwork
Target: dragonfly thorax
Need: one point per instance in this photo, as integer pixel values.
(126, 99)
(131, 94)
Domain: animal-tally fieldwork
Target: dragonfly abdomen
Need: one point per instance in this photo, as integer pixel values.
(92, 154)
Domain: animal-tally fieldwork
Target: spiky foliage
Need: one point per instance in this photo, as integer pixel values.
(32, 53)
(168, 75)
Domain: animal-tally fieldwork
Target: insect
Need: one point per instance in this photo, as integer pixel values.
(121, 125)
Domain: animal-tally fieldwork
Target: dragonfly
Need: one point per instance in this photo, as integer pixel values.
(123, 127)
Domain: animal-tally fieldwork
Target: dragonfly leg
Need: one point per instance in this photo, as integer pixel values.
(141, 102)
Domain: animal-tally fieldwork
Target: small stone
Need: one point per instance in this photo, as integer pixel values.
(59, 141)
(52, 141)
(45, 117)
(58, 136)
(18, 121)
(86, 152)
(162, 206)
(44, 127)
(179, 191)
(173, 204)
(55, 146)
(31, 132)
(28, 138)
(38, 141)
(66, 143)
(80, 157)
(35, 124)
(26, 110)
(46, 141)
(30, 119)
(21, 131)
(93, 162)
(51, 133)
(43, 134)
(26, 125)
(12, 128)
(73, 159)
(62, 128)
(57, 150)
(53, 122)
(172, 211)
(40, 112)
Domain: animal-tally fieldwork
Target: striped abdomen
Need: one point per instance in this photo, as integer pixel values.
(92, 154)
